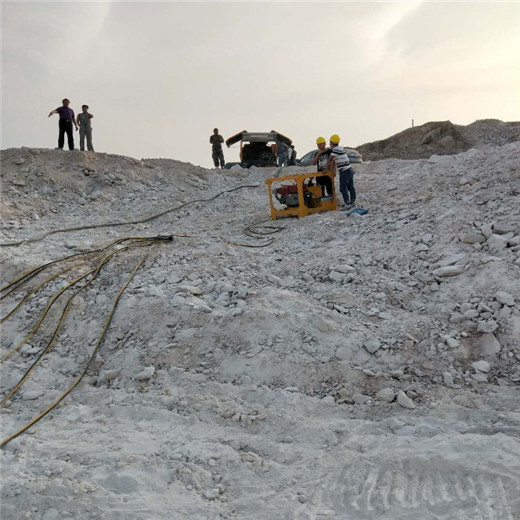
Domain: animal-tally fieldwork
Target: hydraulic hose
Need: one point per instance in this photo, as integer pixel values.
(147, 241)
(125, 222)
(37, 288)
(62, 320)
(25, 277)
(91, 359)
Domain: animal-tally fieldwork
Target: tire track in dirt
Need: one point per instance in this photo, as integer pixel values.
(382, 491)
(417, 488)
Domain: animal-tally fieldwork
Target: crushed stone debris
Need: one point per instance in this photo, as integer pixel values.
(310, 378)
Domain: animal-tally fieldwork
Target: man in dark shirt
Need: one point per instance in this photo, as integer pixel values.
(320, 159)
(217, 154)
(65, 124)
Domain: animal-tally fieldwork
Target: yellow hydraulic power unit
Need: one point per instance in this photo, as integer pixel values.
(298, 198)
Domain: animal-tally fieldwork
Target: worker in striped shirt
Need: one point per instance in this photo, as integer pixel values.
(339, 159)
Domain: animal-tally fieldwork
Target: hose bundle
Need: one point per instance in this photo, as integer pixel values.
(86, 268)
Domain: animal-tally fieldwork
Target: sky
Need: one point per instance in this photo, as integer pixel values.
(159, 76)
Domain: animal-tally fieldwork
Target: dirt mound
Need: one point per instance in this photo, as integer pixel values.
(440, 138)
(490, 131)
(39, 183)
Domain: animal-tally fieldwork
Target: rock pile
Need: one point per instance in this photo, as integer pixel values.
(441, 138)
(326, 375)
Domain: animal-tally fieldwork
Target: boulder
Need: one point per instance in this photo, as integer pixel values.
(488, 345)
(503, 228)
(481, 366)
(372, 345)
(386, 395)
(405, 401)
(449, 270)
(473, 238)
(505, 298)
(145, 374)
(496, 243)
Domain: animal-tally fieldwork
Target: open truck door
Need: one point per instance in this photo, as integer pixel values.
(230, 141)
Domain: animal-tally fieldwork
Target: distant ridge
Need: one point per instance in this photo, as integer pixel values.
(441, 138)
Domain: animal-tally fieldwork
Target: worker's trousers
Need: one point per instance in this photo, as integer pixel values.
(65, 128)
(85, 131)
(346, 185)
(326, 185)
(283, 159)
(218, 157)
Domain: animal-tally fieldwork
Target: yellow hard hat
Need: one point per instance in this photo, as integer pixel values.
(334, 138)
(320, 140)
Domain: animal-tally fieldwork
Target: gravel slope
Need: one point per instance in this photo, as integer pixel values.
(357, 367)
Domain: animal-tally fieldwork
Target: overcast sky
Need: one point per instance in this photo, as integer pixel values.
(160, 76)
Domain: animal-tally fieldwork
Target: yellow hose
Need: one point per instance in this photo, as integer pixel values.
(33, 272)
(38, 287)
(59, 327)
(93, 355)
(53, 300)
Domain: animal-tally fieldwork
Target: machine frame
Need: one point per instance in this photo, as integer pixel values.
(316, 204)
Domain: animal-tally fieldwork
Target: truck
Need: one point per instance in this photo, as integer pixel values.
(256, 148)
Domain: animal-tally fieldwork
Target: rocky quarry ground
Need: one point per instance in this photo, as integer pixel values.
(355, 367)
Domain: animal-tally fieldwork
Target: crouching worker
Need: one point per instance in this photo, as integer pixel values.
(339, 159)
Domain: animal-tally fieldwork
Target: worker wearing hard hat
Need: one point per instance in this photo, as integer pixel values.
(320, 159)
(339, 159)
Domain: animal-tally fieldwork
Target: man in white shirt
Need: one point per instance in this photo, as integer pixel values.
(339, 159)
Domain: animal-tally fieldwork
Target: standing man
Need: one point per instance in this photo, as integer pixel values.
(282, 150)
(292, 156)
(65, 124)
(320, 160)
(85, 128)
(217, 154)
(339, 159)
